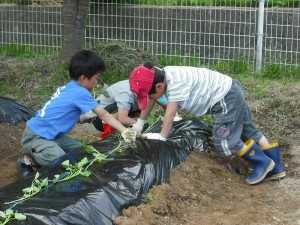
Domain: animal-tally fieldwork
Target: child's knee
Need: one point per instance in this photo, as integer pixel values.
(48, 154)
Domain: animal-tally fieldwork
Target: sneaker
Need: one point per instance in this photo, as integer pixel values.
(23, 166)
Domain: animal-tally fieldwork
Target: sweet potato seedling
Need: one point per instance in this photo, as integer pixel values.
(9, 215)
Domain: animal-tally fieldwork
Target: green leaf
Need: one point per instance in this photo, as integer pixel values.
(89, 148)
(65, 163)
(44, 182)
(9, 212)
(35, 189)
(148, 198)
(85, 173)
(56, 178)
(20, 216)
(37, 182)
(99, 155)
(83, 162)
(2, 214)
(37, 175)
(27, 190)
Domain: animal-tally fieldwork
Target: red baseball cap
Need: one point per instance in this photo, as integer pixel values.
(141, 80)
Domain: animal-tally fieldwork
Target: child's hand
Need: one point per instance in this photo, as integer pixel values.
(138, 126)
(155, 136)
(129, 135)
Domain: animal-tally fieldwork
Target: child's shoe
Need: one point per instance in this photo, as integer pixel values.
(25, 165)
(273, 151)
(107, 130)
(262, 164)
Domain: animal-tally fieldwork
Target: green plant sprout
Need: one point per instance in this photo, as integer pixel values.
(9, 215)
(99, 156)
(73, 170)
(146, 199)
(99, 88)
(154, 117)
(35, 188)
(78, 168)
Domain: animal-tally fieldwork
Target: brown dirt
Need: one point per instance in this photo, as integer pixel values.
(206, 189)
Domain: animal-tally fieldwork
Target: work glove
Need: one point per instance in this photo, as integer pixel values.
(129, 135)
(154, 136)
(177, 118)
(138, 126)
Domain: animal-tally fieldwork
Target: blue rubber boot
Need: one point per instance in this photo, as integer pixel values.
(262, 164)
(273, 152)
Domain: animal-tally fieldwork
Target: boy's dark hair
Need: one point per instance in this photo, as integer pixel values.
(87, 63)
(159, 76)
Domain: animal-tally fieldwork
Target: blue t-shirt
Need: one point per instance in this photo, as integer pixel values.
(60, 114)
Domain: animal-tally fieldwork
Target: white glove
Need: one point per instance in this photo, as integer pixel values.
(177, 118)
(129, 135)
(154, 136)
(138, 126)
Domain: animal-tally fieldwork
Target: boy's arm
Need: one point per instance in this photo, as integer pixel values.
(169, 118)
(128, 135)
(124, 118)
(167, 123)
(146, 112)
(108, 118)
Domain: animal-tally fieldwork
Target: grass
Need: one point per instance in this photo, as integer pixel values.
(23, 51)
(120, 59)
(33, 78)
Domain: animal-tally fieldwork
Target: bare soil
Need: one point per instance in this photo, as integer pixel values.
(207, 189)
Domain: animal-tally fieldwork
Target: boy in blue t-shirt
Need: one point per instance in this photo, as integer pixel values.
(44, 138)
(200, 91)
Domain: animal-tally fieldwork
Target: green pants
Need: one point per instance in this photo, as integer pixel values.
(45, 151)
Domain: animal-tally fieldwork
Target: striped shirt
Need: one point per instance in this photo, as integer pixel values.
(195, 89)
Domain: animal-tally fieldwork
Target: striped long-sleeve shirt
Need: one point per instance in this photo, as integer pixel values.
(195, 89)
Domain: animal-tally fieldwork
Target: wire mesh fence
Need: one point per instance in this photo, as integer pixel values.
(31, 25)
(282, 35)
(192, 31)
(198, 33)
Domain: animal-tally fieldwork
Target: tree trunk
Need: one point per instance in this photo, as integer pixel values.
(74, 20)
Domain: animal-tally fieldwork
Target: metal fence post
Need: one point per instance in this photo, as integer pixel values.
(260, 34)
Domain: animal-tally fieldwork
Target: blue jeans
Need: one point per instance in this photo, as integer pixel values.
(233, 122)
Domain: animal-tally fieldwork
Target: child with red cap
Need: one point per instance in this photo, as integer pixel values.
(122, 103)
(200, 91)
